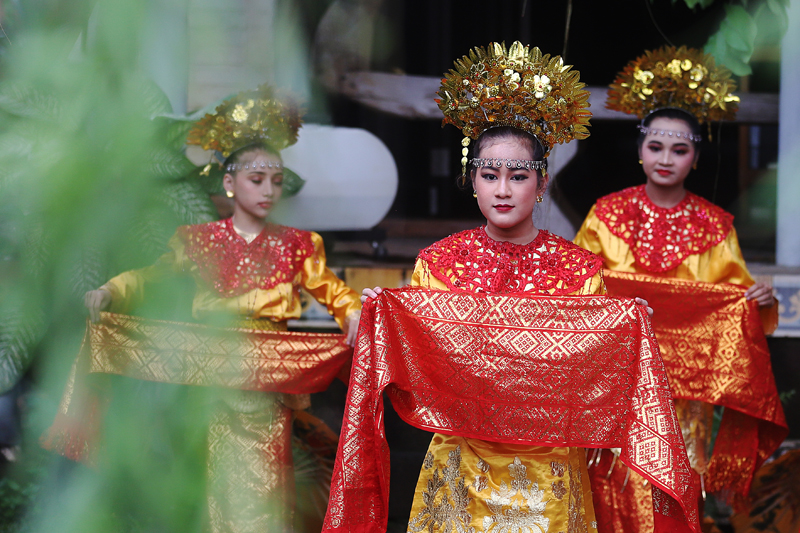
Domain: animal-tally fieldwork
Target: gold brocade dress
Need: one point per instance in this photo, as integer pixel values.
(694, 240)
(471, 485)
(253, 284)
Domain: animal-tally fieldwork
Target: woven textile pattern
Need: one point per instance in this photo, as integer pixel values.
(714, 350)
(250, 474)
(569, 371)
(660, 238)
(185, 354)
(233, 267)
(193, 354)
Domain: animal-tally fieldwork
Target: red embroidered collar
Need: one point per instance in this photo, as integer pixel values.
(660, 238)
(233, 267)
(473, 261)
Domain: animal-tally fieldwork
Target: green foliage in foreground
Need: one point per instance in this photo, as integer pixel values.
(747, 24)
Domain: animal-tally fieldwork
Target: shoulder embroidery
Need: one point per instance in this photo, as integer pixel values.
(233, 267)
(659, 238)
(472, 261)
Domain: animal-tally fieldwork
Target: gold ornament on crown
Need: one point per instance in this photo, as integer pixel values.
(518, 87)
(683, 78)
(247, 118)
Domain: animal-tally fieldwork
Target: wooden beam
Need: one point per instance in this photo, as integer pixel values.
(413, 97)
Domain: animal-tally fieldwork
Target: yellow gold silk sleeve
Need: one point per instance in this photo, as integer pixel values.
(421, 277)
(326, 287)
(595, 286)
(128, 289)
(722, 263)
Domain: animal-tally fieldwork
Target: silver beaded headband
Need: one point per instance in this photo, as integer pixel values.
(509, 163)
(669, 133)
(255, 165)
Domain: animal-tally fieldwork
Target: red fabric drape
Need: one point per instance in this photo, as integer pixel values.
(570, 371)
(715, 351)
(185, 354)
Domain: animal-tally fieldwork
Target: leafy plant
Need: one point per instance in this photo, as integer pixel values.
(747, 24)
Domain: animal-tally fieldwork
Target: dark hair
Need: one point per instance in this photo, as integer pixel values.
(236, 156)
(505, 132)
(673, 113)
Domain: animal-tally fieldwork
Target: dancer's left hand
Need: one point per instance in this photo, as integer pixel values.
(761, 293)
(642, 301)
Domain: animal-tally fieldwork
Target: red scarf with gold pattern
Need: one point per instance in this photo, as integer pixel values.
(715, 351)
(569, 371)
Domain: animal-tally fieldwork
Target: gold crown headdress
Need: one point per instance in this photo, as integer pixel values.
(255, 116)
(247, 118)
(518, 87)
(682, 78)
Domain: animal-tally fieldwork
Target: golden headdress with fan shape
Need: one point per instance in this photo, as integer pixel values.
(247, 118)
(683, 78)
(518, 87)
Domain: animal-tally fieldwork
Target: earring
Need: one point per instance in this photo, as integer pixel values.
(694, 166)
(229, 194)
(641, 162)
(474, 194)
(540, 199)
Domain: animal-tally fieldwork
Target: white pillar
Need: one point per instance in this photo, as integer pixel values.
(165, 49)
(787, 246)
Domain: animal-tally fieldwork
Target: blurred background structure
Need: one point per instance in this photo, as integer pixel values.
(95, 100)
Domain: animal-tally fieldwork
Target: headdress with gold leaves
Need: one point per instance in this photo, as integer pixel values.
(247, 118)
(518, 87)
(255, 116)
(683, 78)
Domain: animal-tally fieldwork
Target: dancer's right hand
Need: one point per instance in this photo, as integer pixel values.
(366, 294)
(96, 301)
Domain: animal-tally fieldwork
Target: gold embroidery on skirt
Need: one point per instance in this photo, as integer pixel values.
(447, 512)
(559, 490)
(519, 507)
(577, 522)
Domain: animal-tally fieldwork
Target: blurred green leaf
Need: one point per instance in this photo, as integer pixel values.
(739, 29)
(694, 3)
(21, 328)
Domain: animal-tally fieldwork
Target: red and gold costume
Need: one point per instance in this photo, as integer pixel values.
(686, 261)
(502, 379)
(253, 285)
(472, 261)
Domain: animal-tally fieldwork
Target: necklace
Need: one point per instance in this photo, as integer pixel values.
(248, 237)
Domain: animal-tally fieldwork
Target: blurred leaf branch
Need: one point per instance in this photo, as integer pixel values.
(747, 25)
(93, 181)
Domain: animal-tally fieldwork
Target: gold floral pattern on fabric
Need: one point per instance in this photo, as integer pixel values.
(445, 510)
(557, 468)
(662, 238)
(577, 522)
(519, 507)
(559, 490)
(473, 261)
(232, 266)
